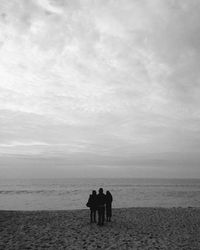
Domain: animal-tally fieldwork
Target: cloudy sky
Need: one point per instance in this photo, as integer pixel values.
(97, 88)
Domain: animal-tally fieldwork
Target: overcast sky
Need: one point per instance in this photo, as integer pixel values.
(97, 88)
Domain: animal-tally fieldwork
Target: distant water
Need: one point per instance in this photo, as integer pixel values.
(62, 194)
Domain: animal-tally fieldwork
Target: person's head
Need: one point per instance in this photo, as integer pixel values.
(101, 190)
(107, 192)
(94, 192)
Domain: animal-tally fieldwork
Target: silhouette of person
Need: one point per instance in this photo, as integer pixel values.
(101, 201)
(92, 204)
(109, 200)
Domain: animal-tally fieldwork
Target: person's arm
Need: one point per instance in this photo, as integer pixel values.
(89, 201)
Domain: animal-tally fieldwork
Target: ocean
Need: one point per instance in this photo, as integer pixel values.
(66, 194)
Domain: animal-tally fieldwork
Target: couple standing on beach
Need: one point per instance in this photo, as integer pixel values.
(102, 203)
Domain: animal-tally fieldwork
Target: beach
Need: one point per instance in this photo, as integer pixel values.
(132, 228)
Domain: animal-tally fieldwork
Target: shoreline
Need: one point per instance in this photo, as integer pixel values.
(87, 209)
(131, 228)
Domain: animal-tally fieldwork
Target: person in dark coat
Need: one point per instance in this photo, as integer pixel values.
(101, 201)
(92, 204)
(109, 200)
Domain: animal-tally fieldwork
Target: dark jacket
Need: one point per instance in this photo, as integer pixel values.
(109, 198)
(92, 202)
(101, 200)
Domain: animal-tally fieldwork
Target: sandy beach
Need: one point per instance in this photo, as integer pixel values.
(133, 228)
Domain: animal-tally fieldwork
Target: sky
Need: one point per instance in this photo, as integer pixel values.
(99, 88)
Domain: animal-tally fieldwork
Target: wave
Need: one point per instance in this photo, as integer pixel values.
(45, 192)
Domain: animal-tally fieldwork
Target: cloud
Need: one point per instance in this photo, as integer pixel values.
(108, 78)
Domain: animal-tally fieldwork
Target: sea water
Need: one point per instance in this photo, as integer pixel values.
(64, 194)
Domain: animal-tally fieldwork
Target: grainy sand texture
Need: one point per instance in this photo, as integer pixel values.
(133, 228)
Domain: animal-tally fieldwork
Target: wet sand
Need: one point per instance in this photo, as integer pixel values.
(133, 228)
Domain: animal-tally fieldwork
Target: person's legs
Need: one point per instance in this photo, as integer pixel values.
(99, 216)
(90, 215)
(94, 213)
(107, 213)
(103, 215)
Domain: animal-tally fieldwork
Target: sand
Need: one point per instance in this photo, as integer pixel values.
(134, 228)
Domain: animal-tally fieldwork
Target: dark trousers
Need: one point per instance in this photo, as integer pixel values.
(93, 214)
(108, 211)
(101, 215)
